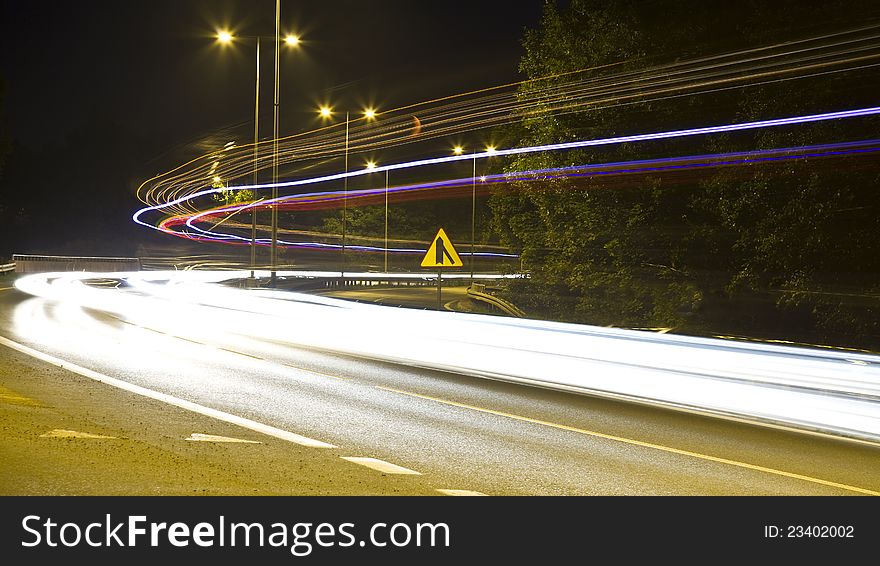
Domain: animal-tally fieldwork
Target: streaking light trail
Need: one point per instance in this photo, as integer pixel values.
(329, 199)
(136, 217)
(831, 392)
(590, 89)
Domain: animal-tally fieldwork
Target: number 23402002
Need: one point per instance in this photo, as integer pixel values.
(809, 531)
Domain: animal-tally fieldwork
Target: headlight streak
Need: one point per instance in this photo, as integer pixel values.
(614, 85)
(564, 92)
(831, 392)
(328, 198)
(523, 150)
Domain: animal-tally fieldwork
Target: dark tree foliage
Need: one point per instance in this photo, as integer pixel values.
(785, 251)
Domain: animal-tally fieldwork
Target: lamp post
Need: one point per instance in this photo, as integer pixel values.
(458, 150)
(344, 202)
(386, 221)
(490, 150)
(371, 165)
(226, 37)
(473, 214)
(274, 206)
(326, 112)
(291, 41)
(256, 166)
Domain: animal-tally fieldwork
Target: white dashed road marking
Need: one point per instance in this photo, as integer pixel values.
(381, 465)
(199, 437)
(460, 492)
(61, 433)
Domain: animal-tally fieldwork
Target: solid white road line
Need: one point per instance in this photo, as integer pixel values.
(169, 399)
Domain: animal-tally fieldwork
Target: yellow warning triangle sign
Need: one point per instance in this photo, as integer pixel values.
(441, 253)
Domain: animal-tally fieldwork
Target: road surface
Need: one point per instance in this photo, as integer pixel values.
(381, 427)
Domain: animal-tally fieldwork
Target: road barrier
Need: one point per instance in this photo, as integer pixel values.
(477, 291)
(6, 268)
(45, 263)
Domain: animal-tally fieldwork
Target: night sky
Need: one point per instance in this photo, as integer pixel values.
(155, 66)
(100, 95)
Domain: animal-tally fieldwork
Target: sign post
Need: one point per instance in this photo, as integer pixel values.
(441, 254)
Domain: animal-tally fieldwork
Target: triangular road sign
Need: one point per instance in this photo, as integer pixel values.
(441, 253)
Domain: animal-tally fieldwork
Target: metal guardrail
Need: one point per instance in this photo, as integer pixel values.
(5, 268)
(477, 291)
(24, 263)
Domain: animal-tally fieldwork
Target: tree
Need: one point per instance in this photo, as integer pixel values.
(769, 250)
(585, 247)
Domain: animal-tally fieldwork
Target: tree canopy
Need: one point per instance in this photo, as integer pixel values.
(778, 250)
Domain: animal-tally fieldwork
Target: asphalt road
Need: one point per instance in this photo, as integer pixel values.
(455, 432)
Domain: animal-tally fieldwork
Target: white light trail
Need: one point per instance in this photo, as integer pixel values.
(517, 151)
(830, 392)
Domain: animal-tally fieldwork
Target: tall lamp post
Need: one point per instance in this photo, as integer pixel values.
(326, 112)
(490, 150)
(256, 166)
(292, 41)
(344, 201)
(371, 165)
(458, 150)
(226, 37)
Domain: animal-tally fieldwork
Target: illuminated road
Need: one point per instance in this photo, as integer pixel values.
(458, 431)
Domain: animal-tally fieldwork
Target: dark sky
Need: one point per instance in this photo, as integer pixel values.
(154, 67)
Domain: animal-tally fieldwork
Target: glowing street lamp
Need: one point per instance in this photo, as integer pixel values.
(386, 221)
(490, 150)
(225, 37)
(371, 165)
(369, 114)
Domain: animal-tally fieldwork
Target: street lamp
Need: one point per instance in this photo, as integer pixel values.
(386, 221)
(459, 150)
(226, 37)
(371, 165)
(274, 207)
(369, 114)
(490, 150)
